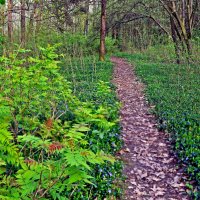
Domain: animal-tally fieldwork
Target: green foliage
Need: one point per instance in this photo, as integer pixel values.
(85, 74)
(2, 1)
(90, 79)
(51, 143)
(1, 43)
(174, 90)
(110, 45)
(72, 44)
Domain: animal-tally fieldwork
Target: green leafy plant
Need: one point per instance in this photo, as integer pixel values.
(2, 1)
(46, 132)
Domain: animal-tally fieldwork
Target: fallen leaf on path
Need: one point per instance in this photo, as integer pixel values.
(150, 167)
(127, 150)
(159, 193)
(156, 179)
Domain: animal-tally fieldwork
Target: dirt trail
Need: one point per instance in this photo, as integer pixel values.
(150, 168)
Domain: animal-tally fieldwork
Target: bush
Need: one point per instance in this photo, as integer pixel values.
(52, 145)
(72, 44)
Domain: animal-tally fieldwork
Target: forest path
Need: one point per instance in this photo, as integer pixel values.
(150, 167)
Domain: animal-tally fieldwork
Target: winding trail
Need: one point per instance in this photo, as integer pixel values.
(151, 170)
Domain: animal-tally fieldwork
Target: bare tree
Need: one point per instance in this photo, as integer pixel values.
(182, 15)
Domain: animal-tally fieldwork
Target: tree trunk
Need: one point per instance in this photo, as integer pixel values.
(10, 22)
(188, 26)
(188, 49)
(2, 20)
(175, 40)
(115, 32)
(39, 17)
(102, 50)
(23, 23)
(2, 23)
(86, 28)
(31, 22)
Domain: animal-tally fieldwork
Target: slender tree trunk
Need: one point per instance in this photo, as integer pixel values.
(31, 22)
(2, 20)
(175, 40)
(2, 23)
(188, 26)
(182, 14)
(10, 21)
(102, 50)
(94, 9)
(67, 16)
(39, 17)
(188, 49)
(114, 33)
(23, 23)
(86, 28)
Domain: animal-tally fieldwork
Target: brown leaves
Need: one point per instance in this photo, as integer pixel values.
(30, 162)
(150, 168)
(49, 124)
(55, 146)
(123, 151)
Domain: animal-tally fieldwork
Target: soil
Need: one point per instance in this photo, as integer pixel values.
(150, 166)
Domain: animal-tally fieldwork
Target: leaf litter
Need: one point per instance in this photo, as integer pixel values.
(150, 167)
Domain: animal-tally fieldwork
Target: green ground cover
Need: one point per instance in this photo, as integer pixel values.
(85, 73)
(90, 79)
(175, 92)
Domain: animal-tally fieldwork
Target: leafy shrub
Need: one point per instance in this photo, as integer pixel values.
(110, 45)
(2, 1)
(90, 80)
(52, 145)
(72, 44)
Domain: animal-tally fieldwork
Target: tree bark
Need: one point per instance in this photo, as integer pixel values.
(2, 23)
(102, 50)
(182, 14)
(23, 23)
(175, 40)
(10, 21)
(86, 28)
(39, 17)
(2, 20)
(31, 22)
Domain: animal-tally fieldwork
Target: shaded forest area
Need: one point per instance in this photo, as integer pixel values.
(59, 115)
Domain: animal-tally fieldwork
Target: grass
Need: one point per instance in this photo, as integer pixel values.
(175, 91)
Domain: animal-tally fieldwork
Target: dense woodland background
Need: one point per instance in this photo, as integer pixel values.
(133, 24)
(58, 111)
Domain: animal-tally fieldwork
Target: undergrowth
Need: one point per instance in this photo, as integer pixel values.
(90, 79)
(174, 90)
(52, 144)
(85, 73)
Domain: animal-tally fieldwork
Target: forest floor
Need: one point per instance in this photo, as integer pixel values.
(150, 166)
